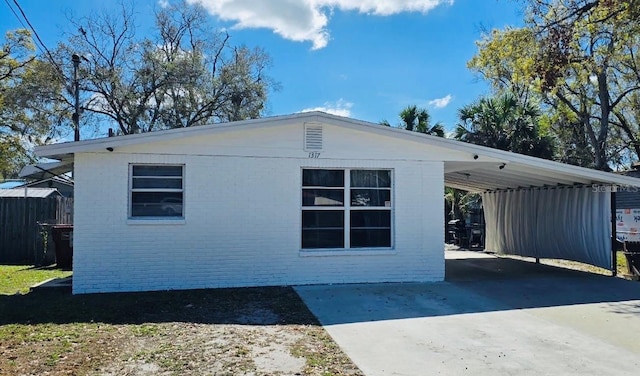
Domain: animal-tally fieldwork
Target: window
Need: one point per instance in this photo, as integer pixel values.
(156, 191)
(346, 208)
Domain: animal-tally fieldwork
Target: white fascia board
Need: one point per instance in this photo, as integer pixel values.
(561, 170)
(67, 148)
(484, 154)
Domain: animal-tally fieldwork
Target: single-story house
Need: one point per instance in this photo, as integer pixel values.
(310, 198)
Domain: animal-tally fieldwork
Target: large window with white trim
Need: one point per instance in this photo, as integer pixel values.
(346, 208)
(156, 191)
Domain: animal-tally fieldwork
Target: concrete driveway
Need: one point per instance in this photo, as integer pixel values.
(492, 316)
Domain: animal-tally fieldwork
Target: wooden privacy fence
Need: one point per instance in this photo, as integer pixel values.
(24, 228)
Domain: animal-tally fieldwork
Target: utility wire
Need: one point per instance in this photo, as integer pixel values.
(16, 14)
(41, 44)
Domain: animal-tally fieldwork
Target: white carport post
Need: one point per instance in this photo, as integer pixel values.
(614, 241)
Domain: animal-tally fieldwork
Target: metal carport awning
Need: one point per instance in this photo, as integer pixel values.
(42, 171)
(508, 175)
(542, 209)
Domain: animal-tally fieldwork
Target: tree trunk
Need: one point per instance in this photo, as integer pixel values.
(605, 109)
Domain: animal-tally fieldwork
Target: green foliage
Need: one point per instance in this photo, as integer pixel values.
(506, 59)
(580, 59)
(418, 120)
(26, 84)
(459, 203)
(503, 123)
(12, 156)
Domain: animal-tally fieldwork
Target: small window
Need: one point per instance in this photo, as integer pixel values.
(157, 191)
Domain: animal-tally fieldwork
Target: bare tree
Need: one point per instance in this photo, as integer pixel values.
(184, 75)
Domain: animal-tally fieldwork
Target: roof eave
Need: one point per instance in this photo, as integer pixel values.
(474, 152)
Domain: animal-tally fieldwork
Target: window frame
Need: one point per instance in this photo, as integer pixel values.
(156, 218)
(347, 208)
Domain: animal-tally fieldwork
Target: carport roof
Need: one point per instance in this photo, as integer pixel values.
(475, 168)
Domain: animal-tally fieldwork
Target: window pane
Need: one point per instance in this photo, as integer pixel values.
(323, 238)
(156, 204)
(371, 197)
(322, 219)
(370, 238)
(371, 178)
(370, 218)
(322, 197)
(157, 183)
(142, 170)
(322, 178)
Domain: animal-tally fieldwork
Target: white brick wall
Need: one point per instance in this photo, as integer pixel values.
(243, 217)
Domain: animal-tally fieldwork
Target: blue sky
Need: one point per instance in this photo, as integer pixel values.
(366, 59)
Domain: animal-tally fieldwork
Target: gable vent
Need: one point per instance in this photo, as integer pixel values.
(312, 137)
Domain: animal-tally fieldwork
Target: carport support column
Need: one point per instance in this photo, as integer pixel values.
(614, 241)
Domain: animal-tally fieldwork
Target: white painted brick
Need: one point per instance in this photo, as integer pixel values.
(242, 216)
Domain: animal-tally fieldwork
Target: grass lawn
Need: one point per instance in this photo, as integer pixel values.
(19, 278)
(621, 266)
(257, 331)
(622, 263)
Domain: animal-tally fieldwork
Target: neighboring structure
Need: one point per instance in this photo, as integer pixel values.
(23, 211)
(63, 186)
(302, 199)
(29, 192)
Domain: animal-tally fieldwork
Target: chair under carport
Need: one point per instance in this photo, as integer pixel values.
(543, 209)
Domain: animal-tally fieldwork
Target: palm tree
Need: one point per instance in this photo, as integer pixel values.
(504, 123)
(418, 120)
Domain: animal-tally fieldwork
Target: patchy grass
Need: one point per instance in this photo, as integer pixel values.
(259, 331)
(621, 265)
(19, 278)
(322, 354)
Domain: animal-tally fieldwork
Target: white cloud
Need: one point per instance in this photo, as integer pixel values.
(305, 20)
(340, 108)
(441, 102)
(163, 3)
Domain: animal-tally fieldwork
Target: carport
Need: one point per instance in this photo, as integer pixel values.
(542, 209)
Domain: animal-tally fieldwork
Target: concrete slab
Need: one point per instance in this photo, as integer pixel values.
(54, 282)
(512, 318)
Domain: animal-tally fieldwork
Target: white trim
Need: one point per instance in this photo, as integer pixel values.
(155, 219)
(160, 221)
(347, 252)
(484, 154)
(347, 208)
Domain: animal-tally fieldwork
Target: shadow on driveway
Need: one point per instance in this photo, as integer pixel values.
(492, 316)
(472, 285)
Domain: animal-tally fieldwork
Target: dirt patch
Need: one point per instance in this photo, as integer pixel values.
(254, 332)
(210, 349)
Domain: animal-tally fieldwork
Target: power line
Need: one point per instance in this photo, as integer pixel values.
(48, 53)
(16, 14)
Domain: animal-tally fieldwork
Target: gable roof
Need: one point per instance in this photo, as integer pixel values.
(481, 169)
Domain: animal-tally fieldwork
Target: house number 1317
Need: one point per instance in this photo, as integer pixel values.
(314, 154)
